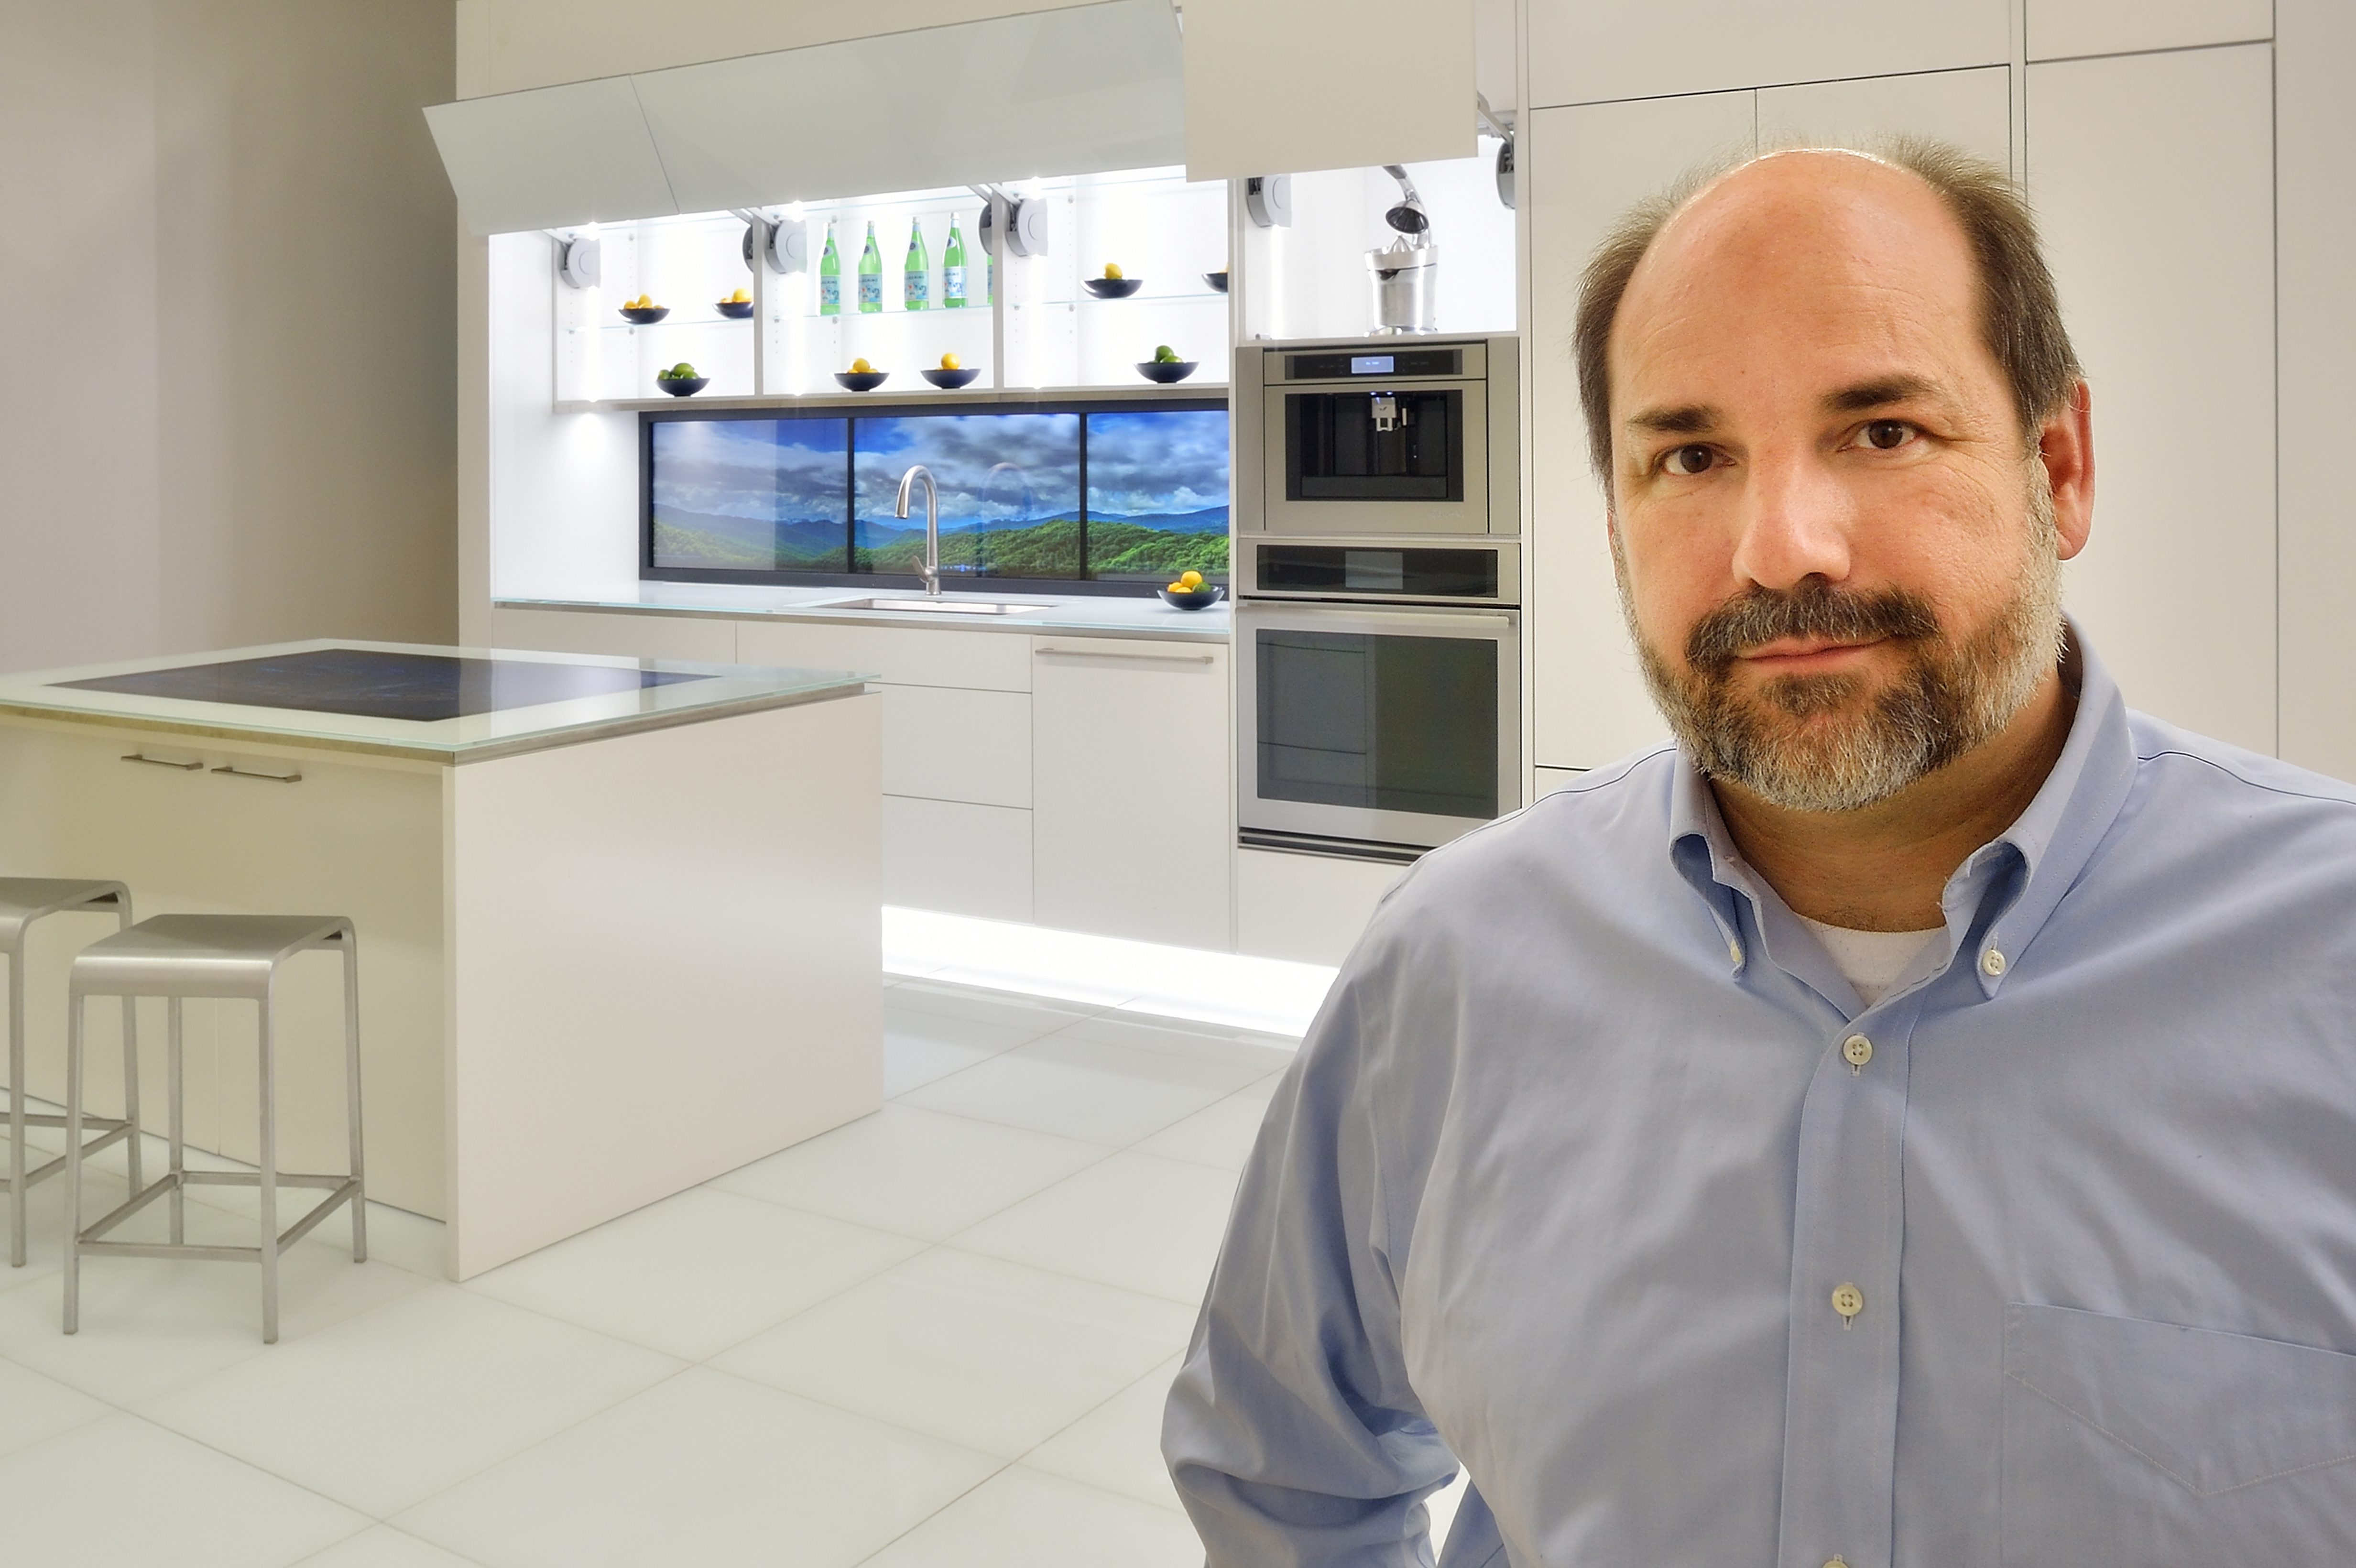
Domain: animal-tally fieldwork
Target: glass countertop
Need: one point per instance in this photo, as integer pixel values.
(405, 700)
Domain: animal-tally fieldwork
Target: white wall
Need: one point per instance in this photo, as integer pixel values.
(228, 413)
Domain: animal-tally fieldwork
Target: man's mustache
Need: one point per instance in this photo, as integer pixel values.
(1815, 609)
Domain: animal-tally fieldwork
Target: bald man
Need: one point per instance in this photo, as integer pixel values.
(1911, 1120)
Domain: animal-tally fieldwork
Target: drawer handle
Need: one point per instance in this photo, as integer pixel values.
(1108, 654)
(274, 778)
(164, 763)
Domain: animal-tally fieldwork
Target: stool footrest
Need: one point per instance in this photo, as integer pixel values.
(340, 1190)
(116, 1132)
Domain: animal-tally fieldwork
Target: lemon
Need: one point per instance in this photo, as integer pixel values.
(860, 368)
(740, 297)
(1190, 580)
(949, 362)
(1112, 269)
(1177, 587)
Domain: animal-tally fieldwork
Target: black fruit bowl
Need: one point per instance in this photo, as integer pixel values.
(950, 381)
(1166, 371)
(1113, 288)
(646, 318)
(1217, 279)
(684, 386)
(1201, 598)
(861, 380)
(734, 310)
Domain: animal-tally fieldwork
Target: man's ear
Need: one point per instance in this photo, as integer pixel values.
(2065, 445)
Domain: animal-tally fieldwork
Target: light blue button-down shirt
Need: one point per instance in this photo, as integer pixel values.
(1572, 1162)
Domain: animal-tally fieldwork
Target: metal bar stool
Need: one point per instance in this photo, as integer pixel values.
(234, 956)
(23, 900)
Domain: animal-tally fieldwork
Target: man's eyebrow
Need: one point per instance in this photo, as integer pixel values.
(1878, 393)
(1695, 418)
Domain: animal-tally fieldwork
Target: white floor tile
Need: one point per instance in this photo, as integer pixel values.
(397, 1405)
(1039, 1014)
(33, 1408)
(1116, 1447)
(919, 1047)
(1261, 1052)
(705, 1468)
(152, 1325)
(1220, 1135)
(121, 1491)
(696, 1273)
(1136, 1220)
(982, 1352)
(914, 1172)
(1024, 1518)
(381, 1546)
(1096, 1092)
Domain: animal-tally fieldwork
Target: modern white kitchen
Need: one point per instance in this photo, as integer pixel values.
(855, 609)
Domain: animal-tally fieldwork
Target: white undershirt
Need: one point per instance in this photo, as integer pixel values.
(1872, 960)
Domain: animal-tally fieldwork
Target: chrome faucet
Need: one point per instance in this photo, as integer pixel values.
(931, 570)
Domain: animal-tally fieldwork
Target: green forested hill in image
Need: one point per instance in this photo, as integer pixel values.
(1052, 550)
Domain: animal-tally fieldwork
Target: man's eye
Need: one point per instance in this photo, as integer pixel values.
(1688, 460)
(1885, 435)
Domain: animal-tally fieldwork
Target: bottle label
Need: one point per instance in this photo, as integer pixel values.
(871, 291)
(952, 285)
(916, 289)
(830, 296)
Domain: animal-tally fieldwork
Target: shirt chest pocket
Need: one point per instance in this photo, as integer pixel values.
(2135, 1444)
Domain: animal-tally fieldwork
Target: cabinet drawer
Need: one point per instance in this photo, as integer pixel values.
(956, 857)
(905, 656)
(699, 638)
(946, 744)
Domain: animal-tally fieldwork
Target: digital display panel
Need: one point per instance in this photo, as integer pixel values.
(1008, 485)
(1371, 364)
(749, 494)
(1131, 496)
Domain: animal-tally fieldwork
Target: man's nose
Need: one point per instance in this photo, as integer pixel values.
(1794, 523)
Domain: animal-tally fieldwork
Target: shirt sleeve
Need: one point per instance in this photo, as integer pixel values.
(1291, 1432)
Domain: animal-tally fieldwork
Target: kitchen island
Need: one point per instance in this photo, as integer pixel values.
(618, 918)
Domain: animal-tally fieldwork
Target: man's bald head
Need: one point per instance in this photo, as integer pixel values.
(1810, 198)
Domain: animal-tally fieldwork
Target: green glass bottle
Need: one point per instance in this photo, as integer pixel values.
(916, 271)
(953, 269)
(829, 278)
(871, 275)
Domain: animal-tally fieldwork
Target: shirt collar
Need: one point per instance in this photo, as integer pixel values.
(2029, 866)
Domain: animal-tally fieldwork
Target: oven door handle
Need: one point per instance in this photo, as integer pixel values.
(1313, 614)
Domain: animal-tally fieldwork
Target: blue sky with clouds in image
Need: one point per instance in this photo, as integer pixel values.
(1158, 463)
(764, 470)
(994, 471)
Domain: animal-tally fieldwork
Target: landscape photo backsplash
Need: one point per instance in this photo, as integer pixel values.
(816, 494)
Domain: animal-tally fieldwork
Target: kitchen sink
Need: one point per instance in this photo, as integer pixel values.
(944, 605)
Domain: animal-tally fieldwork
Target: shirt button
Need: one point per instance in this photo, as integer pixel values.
(1848, 1301)
(1836, 1563)
(1991, 961)
(1856, 1050)
(1734, 951)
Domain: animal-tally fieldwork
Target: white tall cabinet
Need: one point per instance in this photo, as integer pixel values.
(2146, 135)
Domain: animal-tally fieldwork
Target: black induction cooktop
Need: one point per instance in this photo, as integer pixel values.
(369, 683)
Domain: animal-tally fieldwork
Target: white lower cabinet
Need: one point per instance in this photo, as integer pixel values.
(1080, 781)
(1132, 828)
(958, 858)
(1311, 909)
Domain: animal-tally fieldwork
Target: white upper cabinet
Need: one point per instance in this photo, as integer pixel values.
(1587, 51)
(1585, 166)
(2062, 29)
(1287, 86)
(2154, 177)
(575, 153)
(1972, 108)
(1077, 91)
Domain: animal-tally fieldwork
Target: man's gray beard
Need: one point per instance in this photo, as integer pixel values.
(1949, 699)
